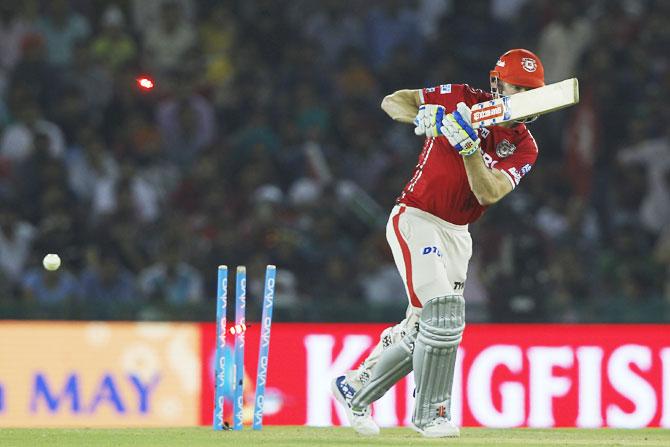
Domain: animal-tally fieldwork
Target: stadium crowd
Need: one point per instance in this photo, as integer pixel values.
(263, 142)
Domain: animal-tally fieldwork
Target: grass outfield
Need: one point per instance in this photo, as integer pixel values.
(330, 437)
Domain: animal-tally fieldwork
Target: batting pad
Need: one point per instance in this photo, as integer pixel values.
(393, 364)
(440, 332)
(389, 337)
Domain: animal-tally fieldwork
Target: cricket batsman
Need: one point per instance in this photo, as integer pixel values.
(460, 172)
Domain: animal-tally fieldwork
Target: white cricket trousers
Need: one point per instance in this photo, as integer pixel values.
(431, 254)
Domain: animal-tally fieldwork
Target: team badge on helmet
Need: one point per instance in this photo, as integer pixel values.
(528, 64)
(505, 149)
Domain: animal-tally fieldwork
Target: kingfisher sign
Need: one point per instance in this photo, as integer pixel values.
(506, 375)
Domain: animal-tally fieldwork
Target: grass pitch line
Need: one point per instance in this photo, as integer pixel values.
(299, 436)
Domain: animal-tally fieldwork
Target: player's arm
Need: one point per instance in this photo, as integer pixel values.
(402, 105)
(488, 185)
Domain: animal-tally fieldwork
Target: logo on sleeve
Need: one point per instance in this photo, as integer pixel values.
(430, 89)
(526, 169)
(445, 88)
(515, 174)
(505, 149)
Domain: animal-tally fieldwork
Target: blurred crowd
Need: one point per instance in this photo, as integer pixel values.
(262, 142)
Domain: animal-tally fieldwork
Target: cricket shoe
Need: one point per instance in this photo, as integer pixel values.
(360, 420)
(439, 428)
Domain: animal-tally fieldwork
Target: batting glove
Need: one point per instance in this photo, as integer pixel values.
(428, 121)
(456, 126)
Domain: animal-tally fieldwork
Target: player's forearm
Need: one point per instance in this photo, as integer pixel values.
(402, 105)
(488, 185)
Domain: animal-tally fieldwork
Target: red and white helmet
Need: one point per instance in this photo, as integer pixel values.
(517, 67)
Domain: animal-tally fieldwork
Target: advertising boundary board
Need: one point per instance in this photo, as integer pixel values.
(507, 375)
(96, 374)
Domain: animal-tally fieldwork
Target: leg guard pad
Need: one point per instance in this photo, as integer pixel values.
(393, 364)
(388, 338)
(440, 331)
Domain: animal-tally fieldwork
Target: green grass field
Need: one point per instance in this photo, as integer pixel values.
(330, 437)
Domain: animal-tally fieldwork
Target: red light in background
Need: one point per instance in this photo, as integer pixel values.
(145, 83)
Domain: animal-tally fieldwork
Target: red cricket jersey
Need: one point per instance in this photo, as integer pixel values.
(439, 185)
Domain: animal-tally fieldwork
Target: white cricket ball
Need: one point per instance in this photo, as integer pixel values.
(51, 262)
(238, 329)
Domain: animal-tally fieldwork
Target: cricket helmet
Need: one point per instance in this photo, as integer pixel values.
(521, 68)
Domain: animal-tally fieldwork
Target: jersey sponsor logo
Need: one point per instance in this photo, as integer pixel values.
(487, 113)
(445, 88)
(505, 149)
(528, 64)
(489, 161)
(432, 249)
(459, 285)
(526, 169)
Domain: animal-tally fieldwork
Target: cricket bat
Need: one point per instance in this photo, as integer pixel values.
(525, 104)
